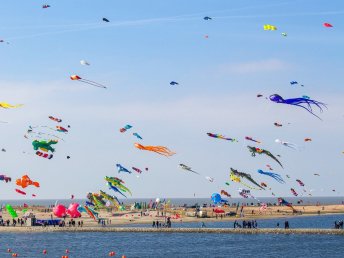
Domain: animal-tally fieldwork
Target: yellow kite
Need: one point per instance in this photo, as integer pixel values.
(6, 105)
(269, 27)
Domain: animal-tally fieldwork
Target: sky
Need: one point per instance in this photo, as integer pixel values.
(145, 46)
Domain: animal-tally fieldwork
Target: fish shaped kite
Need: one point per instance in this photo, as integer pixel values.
(259, 151)
(125, 128)
(106, 20)
(207, 18)
(220, 136)
(6, 105)
(223, 192)
(84, 62)
(185, 167)
(137, 136)
(293, 192)
(328, 25)
(120, 168)
(78, 78)
(137, 170)
(174, 83)
(25, 181)
(244, 175)
(251, 139)
(269, 27)
(55, 119)
(157, 149)
(45, 6)
(299, 102)
(287, 144)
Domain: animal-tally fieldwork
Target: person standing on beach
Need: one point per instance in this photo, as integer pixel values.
(286, 224)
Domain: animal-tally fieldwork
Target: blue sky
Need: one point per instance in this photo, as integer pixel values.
(146, 45)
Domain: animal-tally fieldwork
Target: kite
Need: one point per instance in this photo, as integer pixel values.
(120, 168)
(25, 181)
(287, 176)
(185, 167)
(207, 18)
(174, 83)
(61, 129)
(316, 174)
(227, 183)
(137, 136)
(259, 95)
(277, 177)
(305, 96)
(219, 136)
(223, 192)
(293, 192)
(298, 102)
(44, 145)
(20, 191)
(287, 144)
(251, 139)
(5, 178)
(157, 149)
(269, 167)
(110, 198)
(114, 188)
(263, 184)
(117, 183)
(11, 211)
(255, 150)
(55, 119)
(293, 82)
(125, 128)
(6, 105)
(284, 34)
(106, 20)
(281, 201)
(269, 27)
(300, 182)
(210, 179)
(44, 155)
(308, 139)
(84, 62)
(244, 175)
(78, 78)
(137, 170)
(45, 6)
(93, 214)
(278, 125)
(328, 25)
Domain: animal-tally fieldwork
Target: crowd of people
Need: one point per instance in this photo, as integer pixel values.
(158, 224)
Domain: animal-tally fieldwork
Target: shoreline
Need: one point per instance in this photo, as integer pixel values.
(170, 230)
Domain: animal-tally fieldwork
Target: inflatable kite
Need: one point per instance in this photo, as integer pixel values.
(185, 167)
(278, 125)
(20, 191)
(293, 192)
(137, 170)
(284, 34)
(216, 198)
(251, 139)
(106, 20)
(219, 136)
(110, 198)
(60, 211)
(308, 139)
(269, 27)
(299, 103)
(157, 149)
(44, 145)
(137, 136)
(275, 176)
(287, 144)
(243, 175)
(25, 181)
(11, 211)
(45, 6)
(210, 179)
(174, 83)
(207, 18)
(78, 78)
(120, 169)
(300, 182)
(223, 192)
(61, 129)
(6, 105)
(73, 211)
(125, 128)
(281, 201)
(255, 151)
(44, 155)
(84, 62)
(328, 25)
(55, 119)
(5, 178)
(117, 183)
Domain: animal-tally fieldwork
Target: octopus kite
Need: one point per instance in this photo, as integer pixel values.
(299, 102)
(219, 136)
(287, 144)
(6, 105)
(157, 149)
(255, 150)
(238, 174)
(275, 176)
